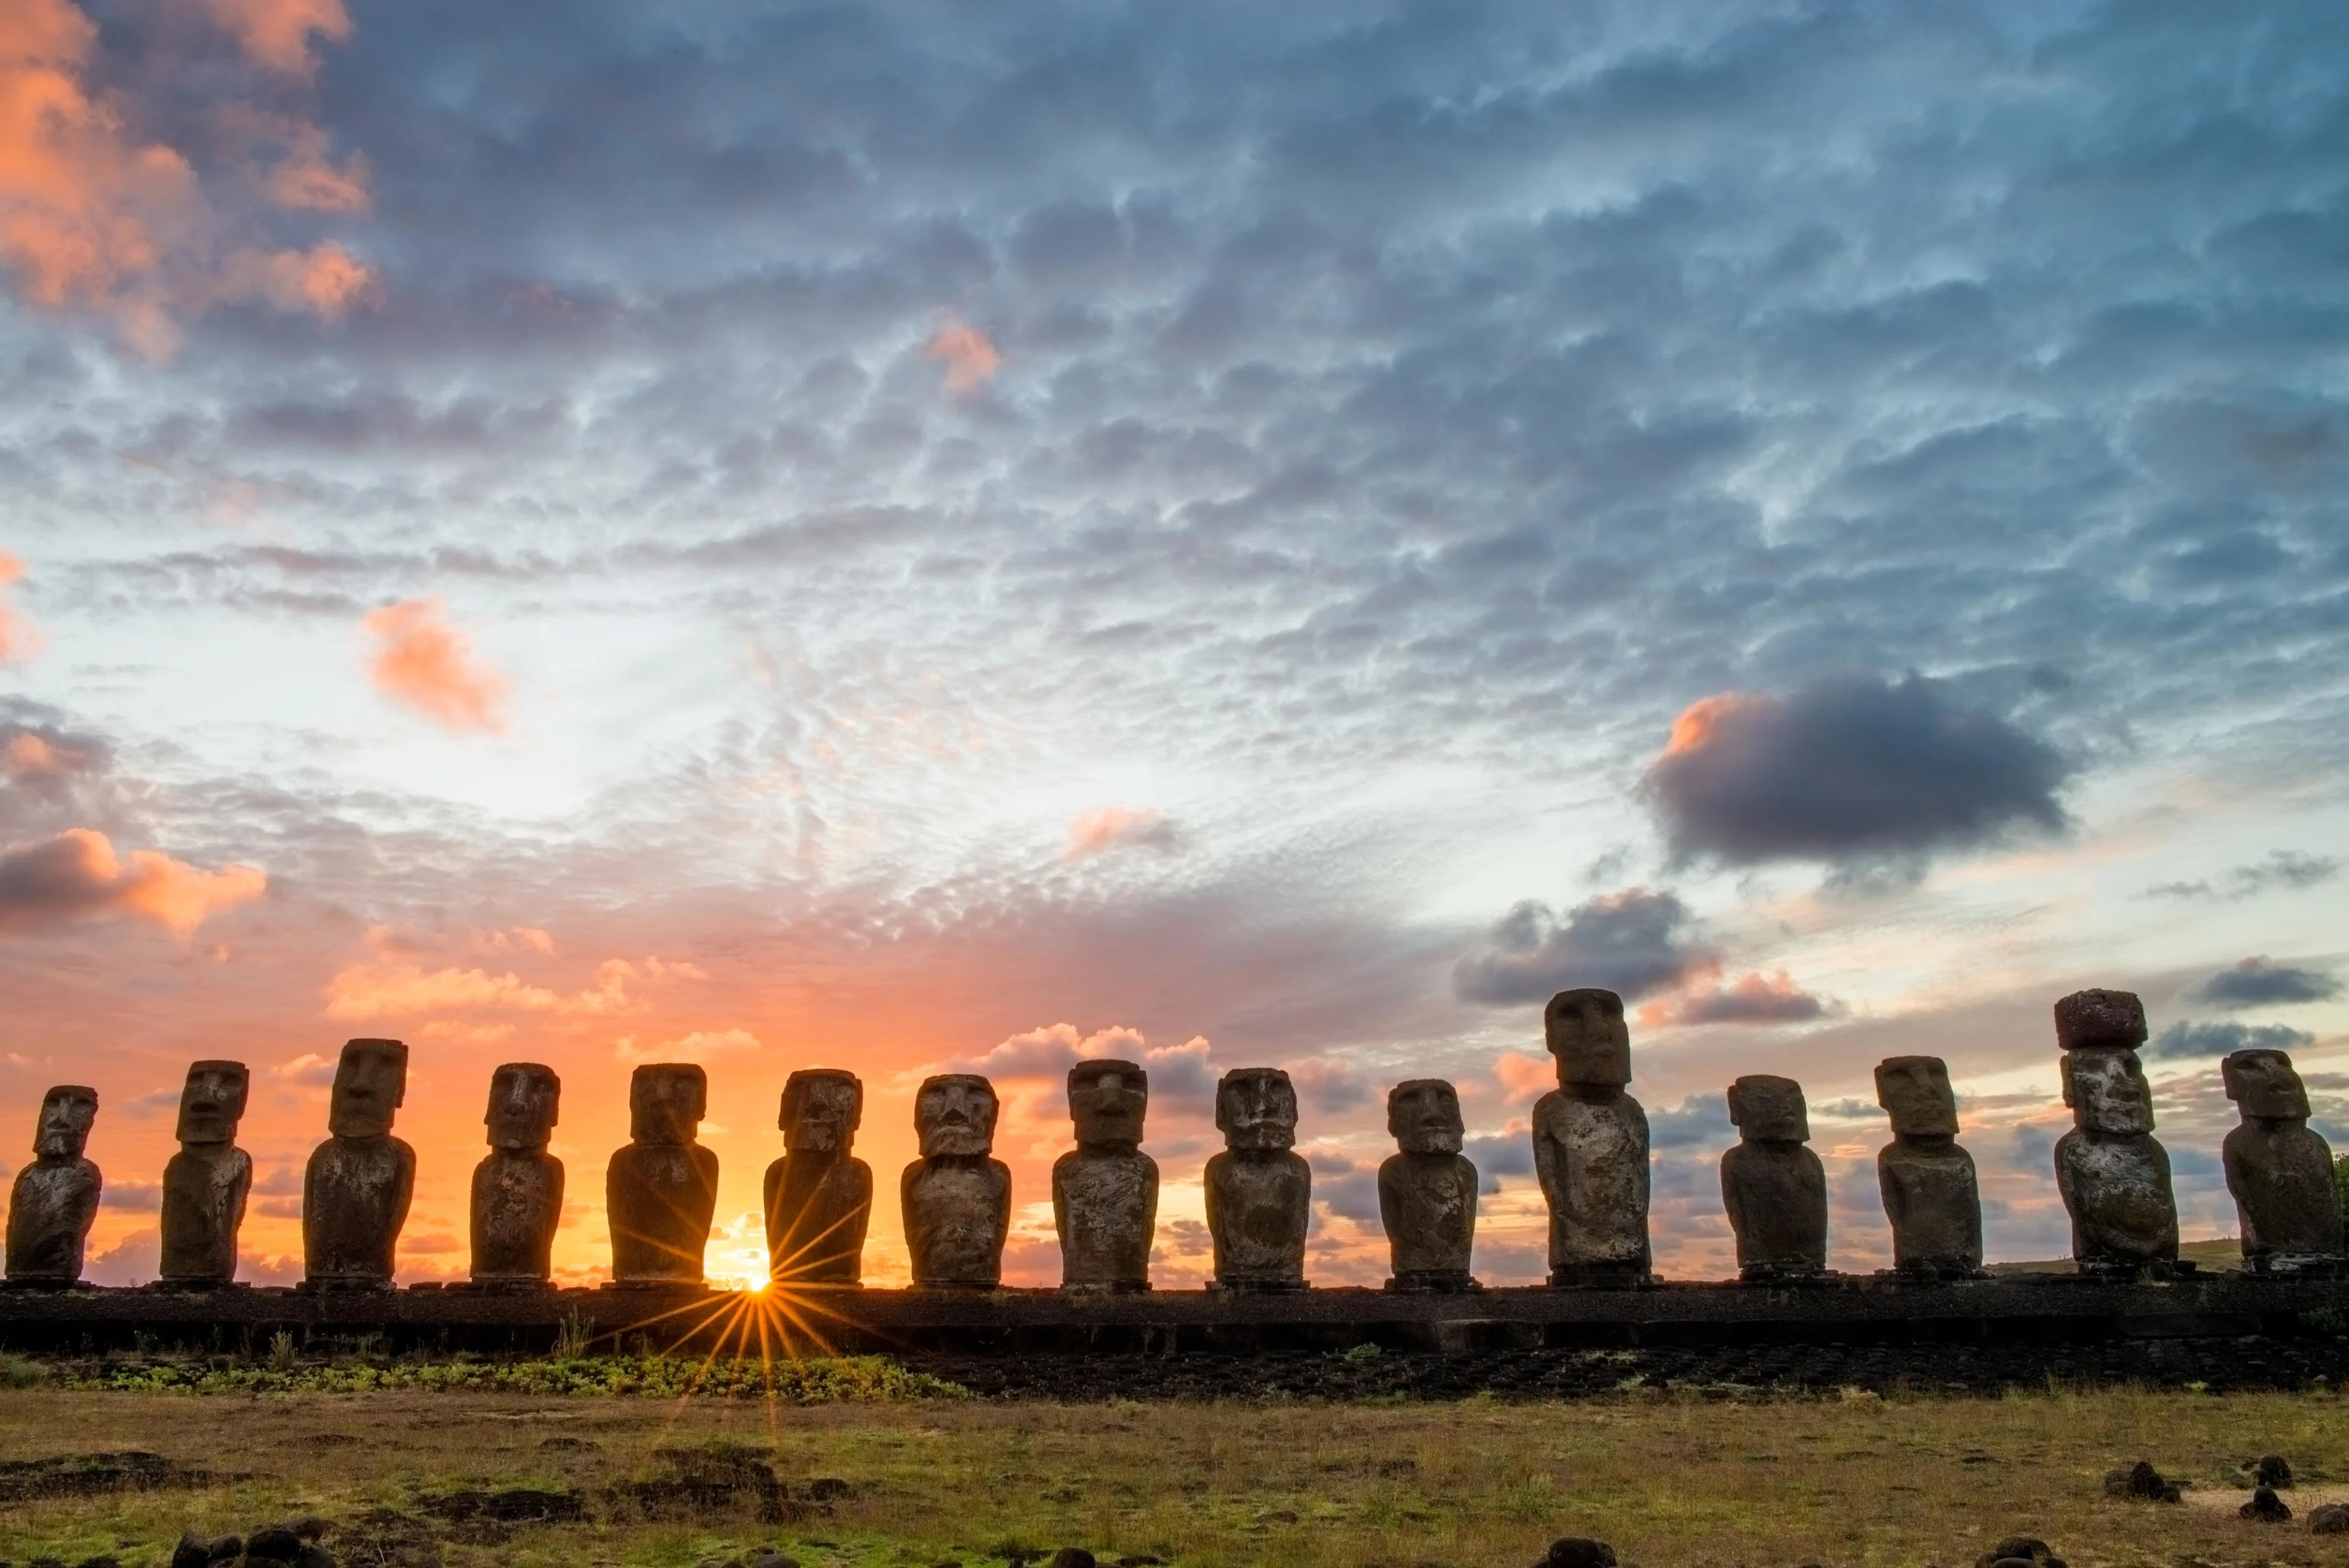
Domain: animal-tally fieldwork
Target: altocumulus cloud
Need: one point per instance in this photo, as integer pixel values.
(2256, 983)
(1635, 942)
(1849, 770)
(2207, 1041)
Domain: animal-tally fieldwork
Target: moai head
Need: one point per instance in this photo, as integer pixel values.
(955, 1114)
(666, 1101)
(1769, 1109)
(1106, 1100)
(1916, 1090)
(523, 1098)
(212, 1100)
(370, 1082)
(1255, 1108)
(1584, 1031)
(2107, 1093)
(1424, 1115)
(821, 1108)
(2099, 1020)
(67, 1112)
(2263, 1085)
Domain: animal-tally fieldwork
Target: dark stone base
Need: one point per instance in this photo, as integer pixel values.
(1257, 1287)
(1593, 1277)
(1107, 1288)
(1783, 1275)
(1438, 1282)
(343, 1286)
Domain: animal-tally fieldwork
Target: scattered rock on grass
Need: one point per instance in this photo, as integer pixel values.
(2332, 1518)
(2141, 1481)
(2273, 1472)
(1577, 1552)
(2027, 1549)
(2266, 1507)
(1070, 1557)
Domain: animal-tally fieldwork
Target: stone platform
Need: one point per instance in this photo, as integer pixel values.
(1846, 1312)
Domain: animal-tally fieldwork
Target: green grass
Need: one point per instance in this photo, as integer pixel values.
(859, 1379)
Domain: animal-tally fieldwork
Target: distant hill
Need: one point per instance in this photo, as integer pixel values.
(2217, 1254)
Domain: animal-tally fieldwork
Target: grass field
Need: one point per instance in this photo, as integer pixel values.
(1669, 1480)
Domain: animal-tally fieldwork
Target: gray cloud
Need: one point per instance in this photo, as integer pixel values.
(1756, 999)
(1635, 942)
(2287, 869)
(2187, 1039)
(1850, 770)
(1700, 1121)
(2256, 983)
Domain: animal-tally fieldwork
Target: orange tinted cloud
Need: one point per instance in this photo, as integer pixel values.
(91, 217)
(19, 639)
(277, 33)
(969, 358)
(407, 989)
(78, 876)
(1699, 720)
(424, 663)
(1113, 826)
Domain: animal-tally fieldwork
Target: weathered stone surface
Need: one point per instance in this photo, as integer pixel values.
(55, 1198)
(1775, 1188)
(1591, 1146)
(1427, 1191)
(2142, 1482)
(2096, 1020)
(2332, 1518)
(518, 1186)
(1105, 1190)
(2266, 1507)
(1259, 1192)
(1576, 1551)
(2113, 1175)
(2020, 1549)
(2273, 1469)
(957, 1197)
(819, 1196)
(2279, 1169)
(356, 1193)
(205, 1185)
(1926, 1180)
(661, 1191)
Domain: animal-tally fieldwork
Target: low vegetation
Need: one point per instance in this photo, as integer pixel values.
(863, 1464)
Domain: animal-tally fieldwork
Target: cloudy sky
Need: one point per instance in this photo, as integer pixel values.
(890, 534)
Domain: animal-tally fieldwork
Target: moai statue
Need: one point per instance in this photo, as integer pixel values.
(1105, 1190)
(518, 1186)
(354, 1194)
(1927, 1180)
(819, 1196)
(2113, 1177)
(56, 1197)
(660, 1192)
(1591, 1146)
(1259, 1191)
(206, 1183)
(957, 1197)
(1427, 1191)
(2279, 1172)
(1774, 1187)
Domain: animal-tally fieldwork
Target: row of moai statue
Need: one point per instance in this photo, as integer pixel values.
(1590, 1154)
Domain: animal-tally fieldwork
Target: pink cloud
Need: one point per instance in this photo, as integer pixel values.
(1755, 998)
(19, 639)
(1117, 826)
(1522, 1075)
(399, 989)
(423, 663)
(970, 359)
(77, 877)
(278, 33)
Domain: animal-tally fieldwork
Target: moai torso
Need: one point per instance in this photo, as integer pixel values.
(206, 1183)
(517, 1196)
(1259, 1192)
(957, 1197)
(1772, 1186)
(1105, 1190)
(1591, 1146)
(355, 1192)
(661, 1191)
(1427, 1191)
(2279, 1171)
(2113, 1176)
(1926, 1181)
(819, 1197)
(55, 1198)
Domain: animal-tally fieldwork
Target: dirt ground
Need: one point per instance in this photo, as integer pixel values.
(464, 1478)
